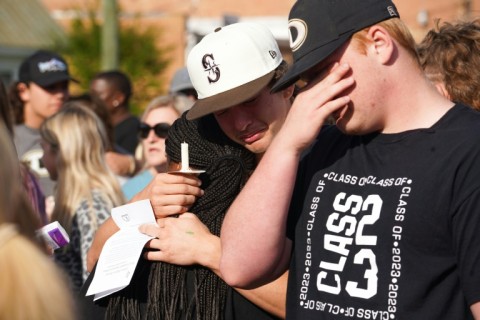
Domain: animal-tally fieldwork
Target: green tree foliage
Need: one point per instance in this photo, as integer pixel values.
(140, 57)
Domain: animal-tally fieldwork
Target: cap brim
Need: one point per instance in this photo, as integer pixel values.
(181, 87)
(309, 61)
(54, 79)
(229, 98)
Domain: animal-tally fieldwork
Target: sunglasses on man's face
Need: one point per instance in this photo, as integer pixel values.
(160, 129)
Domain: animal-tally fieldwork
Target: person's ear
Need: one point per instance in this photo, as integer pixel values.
(288, 92)
(382, 45)
(440, 86)
(23, 91)
(119, 98)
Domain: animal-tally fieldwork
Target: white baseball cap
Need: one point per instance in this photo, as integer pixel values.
(231, 65)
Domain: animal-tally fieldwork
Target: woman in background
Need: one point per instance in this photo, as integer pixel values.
(157, 118)
(74, 142)
(118, 159)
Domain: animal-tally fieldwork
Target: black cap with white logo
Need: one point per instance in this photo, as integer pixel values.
(44, 68)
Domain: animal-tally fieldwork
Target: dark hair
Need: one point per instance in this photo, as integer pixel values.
(31, 200)
(119, 81)
(5, 108)
(228, 166)
(96, 104)
(16, 103)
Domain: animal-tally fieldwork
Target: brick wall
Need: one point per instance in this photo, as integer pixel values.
(171, 15)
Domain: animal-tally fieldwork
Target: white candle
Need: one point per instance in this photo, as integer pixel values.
(185, 161)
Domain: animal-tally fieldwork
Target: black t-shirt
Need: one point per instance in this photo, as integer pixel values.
(125, 134)
(385, 226)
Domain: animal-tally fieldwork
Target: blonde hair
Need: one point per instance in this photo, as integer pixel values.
(31, 285)
(80, 139)
(163, 102)
(397, 30)
(177, 103)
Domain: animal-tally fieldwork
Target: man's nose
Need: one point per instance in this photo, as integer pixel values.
(241, 116)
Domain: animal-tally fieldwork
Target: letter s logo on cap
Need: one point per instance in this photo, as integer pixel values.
(211, 68)
(298, 33)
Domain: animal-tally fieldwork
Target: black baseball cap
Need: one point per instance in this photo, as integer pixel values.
(319, 27)
(44, 68)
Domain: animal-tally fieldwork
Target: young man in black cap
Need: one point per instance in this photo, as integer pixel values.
(377, 216)
(40, 92)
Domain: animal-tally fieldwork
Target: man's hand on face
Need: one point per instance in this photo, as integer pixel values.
(321, 98)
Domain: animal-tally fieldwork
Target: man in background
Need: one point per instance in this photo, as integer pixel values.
(41, 90)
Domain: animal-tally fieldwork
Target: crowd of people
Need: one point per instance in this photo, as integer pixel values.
(341, 186)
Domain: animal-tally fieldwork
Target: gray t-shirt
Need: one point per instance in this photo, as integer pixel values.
(29, 150)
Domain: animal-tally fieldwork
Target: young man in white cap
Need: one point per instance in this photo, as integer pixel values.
(41, 90)
(382, 209)
(232, 70)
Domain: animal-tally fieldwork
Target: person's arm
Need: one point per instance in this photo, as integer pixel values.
(105, 231)
(87, 232)
(475, 308)
(186, 241)
(124, 165)
(271, 297)
(254, 230)
(168, 194)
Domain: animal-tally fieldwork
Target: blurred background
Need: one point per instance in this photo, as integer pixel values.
(150, 39)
